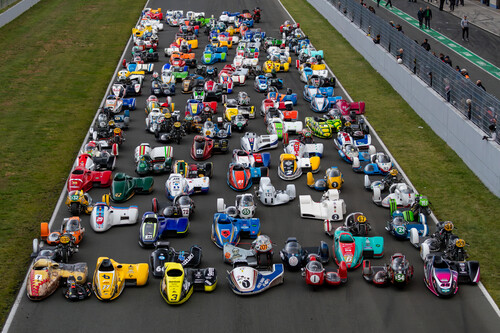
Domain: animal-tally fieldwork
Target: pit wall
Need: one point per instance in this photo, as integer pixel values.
(13, 12)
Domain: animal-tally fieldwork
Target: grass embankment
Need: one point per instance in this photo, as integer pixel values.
(433, 167)
(58, 59)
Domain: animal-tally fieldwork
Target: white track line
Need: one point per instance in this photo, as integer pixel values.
(374, 133)
(13, 311)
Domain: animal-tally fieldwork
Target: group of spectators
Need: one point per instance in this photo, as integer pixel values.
(446, 59)
(424, 18)
(370, 8)
(425, 44)
(452, 4)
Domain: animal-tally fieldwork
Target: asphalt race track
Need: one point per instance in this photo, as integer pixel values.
(291, 307)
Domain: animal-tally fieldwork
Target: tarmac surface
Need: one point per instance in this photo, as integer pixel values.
(291, 307)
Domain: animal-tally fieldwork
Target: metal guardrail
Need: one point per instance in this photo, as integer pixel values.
(480, 107)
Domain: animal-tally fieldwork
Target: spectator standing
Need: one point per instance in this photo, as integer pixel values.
(427, 17)
(480, 85)
(464, 72)
(378, 3)
(441, 4)
(447, 60)
(420, 16)
(389, 2)
(493, 131)
(465, 28)
(426, 45)
(452, 5)
(399, 56)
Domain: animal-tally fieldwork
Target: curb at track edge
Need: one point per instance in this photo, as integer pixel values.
(14, 308)
(407, 179)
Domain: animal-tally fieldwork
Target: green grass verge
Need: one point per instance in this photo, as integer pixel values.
(433, 167)
(53, 83)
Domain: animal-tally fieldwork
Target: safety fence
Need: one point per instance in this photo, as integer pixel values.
(5, 3)
(476, 104)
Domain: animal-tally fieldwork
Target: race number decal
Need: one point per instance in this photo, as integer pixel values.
(314, 279)
(361, 219)
(400, 230)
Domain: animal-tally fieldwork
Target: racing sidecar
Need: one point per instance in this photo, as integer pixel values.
(245, 280)
(111, 277)
(351, 250)
(269, 196)
(243, 208)
(331, 207)
(178, 282)
(104, 216)
(45, 276)
(254, 143)
(227, 229)
(154, 227)
(164, 253)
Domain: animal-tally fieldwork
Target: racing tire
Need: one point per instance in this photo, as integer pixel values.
(105, 199)
(221, 206)
(155, 205)
(264, 171)
(114, 149)
(363, 230)
(324, 252)
(65, 256)
(286, 139)
(290, 190)
(424, 250)
(208, 169)
(377, 196)
(414, 237)
(328, 227)
(44, 230)
(367, 268)
(111, 163)
(36, 245)
(74, 208)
